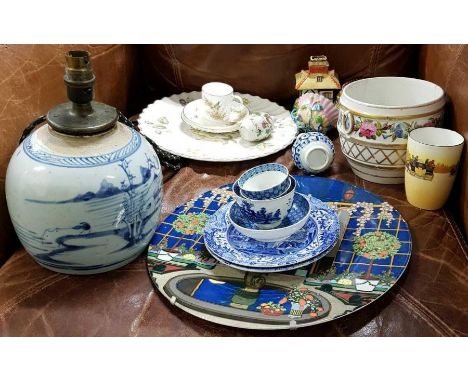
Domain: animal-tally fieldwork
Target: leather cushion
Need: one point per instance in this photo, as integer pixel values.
(265, 70)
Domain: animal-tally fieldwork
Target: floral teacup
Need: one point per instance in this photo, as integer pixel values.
(221, 103)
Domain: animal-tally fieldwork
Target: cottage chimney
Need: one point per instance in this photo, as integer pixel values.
(318, 64)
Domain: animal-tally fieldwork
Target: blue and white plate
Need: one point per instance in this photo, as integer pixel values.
(308, 244)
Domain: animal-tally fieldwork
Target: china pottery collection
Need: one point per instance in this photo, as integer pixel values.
(266, 213)
(256, 127)
(313, 152)
(432, 159)
(376, 116)
(84, 190)
(265, 181)
(271, 250)
(221, 103)
(314, 112)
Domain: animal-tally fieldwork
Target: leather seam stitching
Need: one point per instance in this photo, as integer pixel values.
(175, 65)
(424, 313)
(458, 234)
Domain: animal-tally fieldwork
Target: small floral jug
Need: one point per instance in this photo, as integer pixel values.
(256, 126)
(313, 152)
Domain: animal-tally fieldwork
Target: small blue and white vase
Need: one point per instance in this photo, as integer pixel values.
(313, 152)
(84, 190)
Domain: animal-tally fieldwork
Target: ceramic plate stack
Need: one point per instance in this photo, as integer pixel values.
(162, 122)
(270, 227)
(307, 245)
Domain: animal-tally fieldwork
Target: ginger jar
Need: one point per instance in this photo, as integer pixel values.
(84, 190)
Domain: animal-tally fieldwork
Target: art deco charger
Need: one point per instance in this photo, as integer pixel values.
(373, 255)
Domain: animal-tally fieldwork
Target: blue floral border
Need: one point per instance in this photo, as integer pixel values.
(81, 162)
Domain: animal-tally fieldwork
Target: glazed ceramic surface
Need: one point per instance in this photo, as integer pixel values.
(314, 112)
(220, 102)
(265, 181)
(266, 213)
(231, 247)
(194, 115)
(256, 127)
(313, 152)
(335, 286)
(293, 222)
(376, 116)
(161, 121)
(84, 204)
(432, 160)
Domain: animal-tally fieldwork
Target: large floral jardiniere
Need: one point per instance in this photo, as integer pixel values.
(376, 116)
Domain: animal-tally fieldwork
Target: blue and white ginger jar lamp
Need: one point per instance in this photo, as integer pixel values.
(84, 190)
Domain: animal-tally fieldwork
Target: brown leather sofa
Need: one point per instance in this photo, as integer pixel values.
(430, 300)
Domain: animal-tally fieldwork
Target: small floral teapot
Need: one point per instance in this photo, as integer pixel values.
(256, 126)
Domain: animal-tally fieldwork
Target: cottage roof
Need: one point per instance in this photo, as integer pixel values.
(308, 81)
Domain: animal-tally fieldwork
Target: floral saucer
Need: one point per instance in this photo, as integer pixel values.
(194, 114)
(310, 243)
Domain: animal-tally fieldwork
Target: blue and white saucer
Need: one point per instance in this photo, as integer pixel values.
(307, 245)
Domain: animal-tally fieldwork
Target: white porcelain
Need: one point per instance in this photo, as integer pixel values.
(313, 152)
(276, 234)
(265, 181)
(256, 127)
(161, 122)
(220, 102)
(267, 213)
(376, 116)
(194, 115)
(84, 205)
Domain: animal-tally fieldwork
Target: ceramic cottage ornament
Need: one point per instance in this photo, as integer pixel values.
(84, 190)
(256, 127)
(318, 79)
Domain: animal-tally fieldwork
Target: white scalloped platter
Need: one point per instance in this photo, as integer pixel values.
(161, 121)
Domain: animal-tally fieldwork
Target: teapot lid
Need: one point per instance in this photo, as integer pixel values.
(81, 115)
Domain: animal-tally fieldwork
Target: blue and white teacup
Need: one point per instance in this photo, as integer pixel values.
(266, 181)
(266, 213)
(313, 152)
